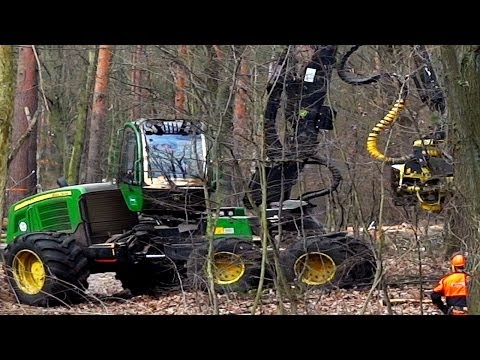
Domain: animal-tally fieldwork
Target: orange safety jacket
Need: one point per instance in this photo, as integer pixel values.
(454, 287)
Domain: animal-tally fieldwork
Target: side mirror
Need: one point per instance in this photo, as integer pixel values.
(62, 182)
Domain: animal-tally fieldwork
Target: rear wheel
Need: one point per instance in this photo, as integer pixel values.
(320, 260)
(301, 228)
(46, 269)
(235, 265)
(360, 267)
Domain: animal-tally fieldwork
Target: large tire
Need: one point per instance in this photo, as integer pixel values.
(46, 269)
(245, 252)
(148, 278)
(300, 229)
(335, 261)
(360, 267)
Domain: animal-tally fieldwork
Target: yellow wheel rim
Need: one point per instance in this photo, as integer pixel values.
(28, 272)
(227, 268)
(315, 268)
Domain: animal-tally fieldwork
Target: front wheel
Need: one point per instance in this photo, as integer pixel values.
(46, 269)
(149, 278)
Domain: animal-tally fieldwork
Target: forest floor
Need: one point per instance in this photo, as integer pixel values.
(407, 289)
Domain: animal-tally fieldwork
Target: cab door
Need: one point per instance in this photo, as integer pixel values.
(130, 177)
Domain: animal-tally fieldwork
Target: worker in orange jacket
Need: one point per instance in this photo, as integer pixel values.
(454, 287)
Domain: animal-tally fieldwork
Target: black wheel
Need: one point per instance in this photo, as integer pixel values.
(306, 224)
(236, 265)
(334, 260)
(149, 278)
(46, 269)
(360, 267)
(300, 229)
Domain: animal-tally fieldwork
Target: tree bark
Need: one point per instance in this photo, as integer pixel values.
(96, 149)
(219, 87)
(462, 76)
(81, 121)
(241, 124)
(138, 81)
(240, 110)
(181, 81)
(22, 177)
(6, 112)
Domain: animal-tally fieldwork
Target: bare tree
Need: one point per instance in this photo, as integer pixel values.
(6, 111)
(462, 75)
(181, 80)
(22, 177)
(138, 81)
(241, 119)
(97, 134)
(81, 120)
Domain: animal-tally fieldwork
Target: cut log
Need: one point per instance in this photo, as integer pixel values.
(403, 301)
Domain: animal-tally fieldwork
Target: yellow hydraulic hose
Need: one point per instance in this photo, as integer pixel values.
(388, 120)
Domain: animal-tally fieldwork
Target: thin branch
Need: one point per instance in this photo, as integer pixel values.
(40, 77)
(31, 124)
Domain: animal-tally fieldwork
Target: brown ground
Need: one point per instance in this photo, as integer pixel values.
(401, 269)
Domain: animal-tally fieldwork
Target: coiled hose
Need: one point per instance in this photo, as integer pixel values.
(348, 77)
(336, 179)
(382, 125)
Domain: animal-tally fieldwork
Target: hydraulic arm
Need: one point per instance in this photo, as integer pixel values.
(424, 176)
(299, 86)
(304, 83)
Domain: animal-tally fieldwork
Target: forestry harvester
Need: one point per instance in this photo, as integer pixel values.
(155, 225)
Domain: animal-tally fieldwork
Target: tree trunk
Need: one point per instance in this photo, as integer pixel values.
(241, 124)
(138, 81)
(22, 179)
(96, 149)
(54, 137)
(117, 122)
(462, 76)
(81, 121)
(240, 115)
(181, 80)
(219, 85)
(6, 111)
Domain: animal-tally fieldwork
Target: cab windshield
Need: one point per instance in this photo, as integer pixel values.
(175, 156)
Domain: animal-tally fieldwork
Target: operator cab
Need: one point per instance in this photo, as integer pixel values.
(174, 154)
(162, 166)
(162, 154)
